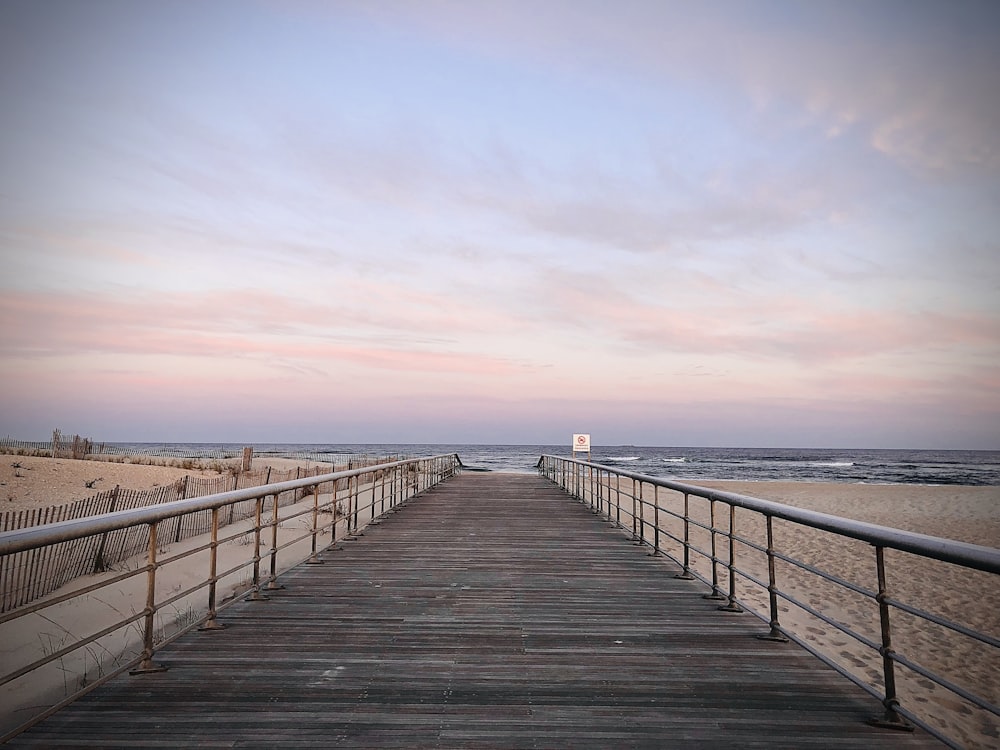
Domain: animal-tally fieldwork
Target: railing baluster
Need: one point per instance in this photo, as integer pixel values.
(352, 506)
(635, 512)
(716, 593)
(732, 605)
(257, 596)
(314, 557)
(211, 623)
(272, 582)
(685, 573)
(618, 500)
(590, 476)
(382, 492)
(656, 521)
(891, 718)
(775, 633)
(147, 666)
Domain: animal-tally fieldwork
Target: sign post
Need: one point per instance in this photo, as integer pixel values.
(581, 444)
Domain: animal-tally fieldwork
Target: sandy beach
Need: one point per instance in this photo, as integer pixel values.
(967, 514)
(970, 514)
(33, 481)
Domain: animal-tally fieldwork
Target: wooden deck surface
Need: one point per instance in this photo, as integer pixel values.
(493, 611)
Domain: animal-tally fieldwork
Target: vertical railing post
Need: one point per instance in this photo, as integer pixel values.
(590, 477)
(716, 592)
(636, 510)
(272, 582)
(335, 511)
(891, 718)
(363, 482)
(618, 500)
(314, 558)
(656, 520)
(352, 510)
(257, 596)
(775, 633)
(389, 478)
(732, 605)
(147, 665)
(685, 573)
(211, 623)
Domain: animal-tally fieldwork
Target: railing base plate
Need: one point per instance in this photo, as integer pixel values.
(151, 668)
(772, 637)
(899, 724)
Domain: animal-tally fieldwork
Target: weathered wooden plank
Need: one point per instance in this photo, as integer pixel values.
(491, 612)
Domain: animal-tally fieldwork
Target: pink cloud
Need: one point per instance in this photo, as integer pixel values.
(765, 326)
(228, 325)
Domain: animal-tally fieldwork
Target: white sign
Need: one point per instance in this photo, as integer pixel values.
(581, 443)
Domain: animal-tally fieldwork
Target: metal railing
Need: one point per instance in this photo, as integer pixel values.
(325, 509)
(738, 556)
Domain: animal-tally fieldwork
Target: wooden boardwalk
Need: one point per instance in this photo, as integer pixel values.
(493, 612)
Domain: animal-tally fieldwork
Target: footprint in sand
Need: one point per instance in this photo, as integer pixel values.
(853, 659)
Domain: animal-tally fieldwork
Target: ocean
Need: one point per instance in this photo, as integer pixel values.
(685, 464)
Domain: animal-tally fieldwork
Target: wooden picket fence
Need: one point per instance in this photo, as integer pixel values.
(26, 576)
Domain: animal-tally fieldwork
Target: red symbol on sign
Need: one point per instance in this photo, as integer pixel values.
(581, 439)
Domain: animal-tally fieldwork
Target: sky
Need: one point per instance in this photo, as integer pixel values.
(754, 224)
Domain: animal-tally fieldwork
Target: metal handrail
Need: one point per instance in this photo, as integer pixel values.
(63, 531)
(385, 486)
(613, 498)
